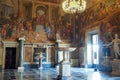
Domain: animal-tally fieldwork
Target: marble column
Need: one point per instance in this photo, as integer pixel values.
(21, 54)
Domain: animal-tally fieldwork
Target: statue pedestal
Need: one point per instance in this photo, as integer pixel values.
(115, 67)
(40, 63)
(64, 69)
(20, 69)
(64, 65)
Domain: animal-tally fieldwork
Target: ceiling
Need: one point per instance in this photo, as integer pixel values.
(89, 2)
(52, 1)
(58, 1)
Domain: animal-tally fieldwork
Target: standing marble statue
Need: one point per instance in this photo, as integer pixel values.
(39, 57)
(115, 43)
(40, 60)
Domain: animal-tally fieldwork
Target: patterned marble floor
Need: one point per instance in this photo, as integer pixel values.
(52, 73)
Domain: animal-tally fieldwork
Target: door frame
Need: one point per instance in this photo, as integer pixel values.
(88, 52)
(10, 57)
(11, 45)
(97, 54)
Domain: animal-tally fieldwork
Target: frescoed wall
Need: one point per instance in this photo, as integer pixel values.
(36, 29)
(99, 11)
(29, 20)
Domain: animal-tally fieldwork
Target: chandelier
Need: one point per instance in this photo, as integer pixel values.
(73, 6)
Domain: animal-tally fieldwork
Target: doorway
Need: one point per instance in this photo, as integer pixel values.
(94, 40)
(92, 48)
(10, 58)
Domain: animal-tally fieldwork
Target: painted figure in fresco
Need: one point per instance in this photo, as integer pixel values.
(4, 31)
(34, 24)
(9, 31)
(115, 43)
(68, 33)
(20, 29)
(54, 28)
(48, 30)
(29, 26)
(58, 38)
(20, 26)
(108, 33)
(40, 20)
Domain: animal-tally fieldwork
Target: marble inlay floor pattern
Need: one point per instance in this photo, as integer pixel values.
(52, 73)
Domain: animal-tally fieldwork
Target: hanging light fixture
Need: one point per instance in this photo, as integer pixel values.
(73, 6)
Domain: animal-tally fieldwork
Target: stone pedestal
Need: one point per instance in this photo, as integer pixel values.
(64, 65)
(20, 69)
(64, 69)
(105, 64)
(115, 67)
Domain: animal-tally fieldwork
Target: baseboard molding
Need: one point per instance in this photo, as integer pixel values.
(45, 65)
(105, 68)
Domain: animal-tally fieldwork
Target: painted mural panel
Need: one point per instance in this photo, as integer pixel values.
(28, 54)
(12, 29)
(39, 29)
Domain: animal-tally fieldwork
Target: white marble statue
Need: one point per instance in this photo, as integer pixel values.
(115, 42)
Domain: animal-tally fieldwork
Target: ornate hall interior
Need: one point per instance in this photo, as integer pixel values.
(59, 39)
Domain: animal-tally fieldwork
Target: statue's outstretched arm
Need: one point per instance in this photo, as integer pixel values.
(110, 43)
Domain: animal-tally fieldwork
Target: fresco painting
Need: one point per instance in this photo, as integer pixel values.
(42, 29)
(99, 8)
(108, 29)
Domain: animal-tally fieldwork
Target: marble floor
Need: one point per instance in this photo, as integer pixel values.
(52, 73)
